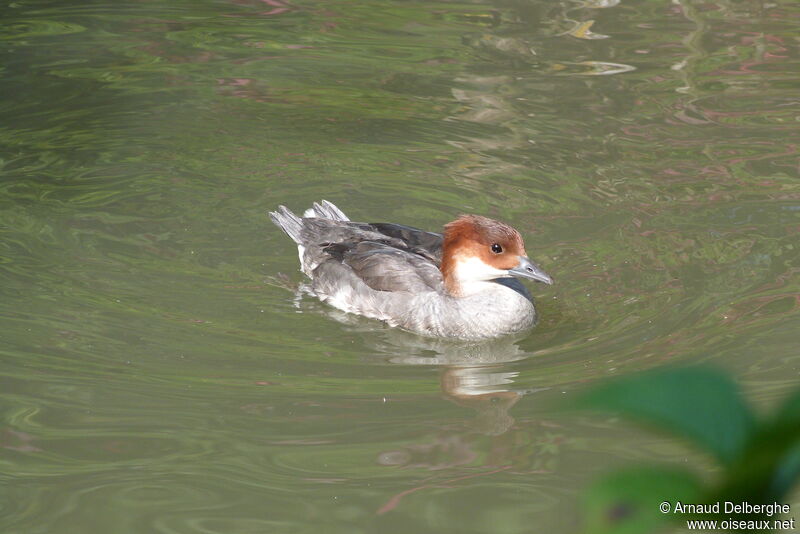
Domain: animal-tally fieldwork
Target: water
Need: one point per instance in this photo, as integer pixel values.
(159, 375)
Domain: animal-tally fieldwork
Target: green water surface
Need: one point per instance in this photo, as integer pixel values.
(159, 373)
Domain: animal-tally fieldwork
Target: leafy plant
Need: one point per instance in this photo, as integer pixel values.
(760, 457)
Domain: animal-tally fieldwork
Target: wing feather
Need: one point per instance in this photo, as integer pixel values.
(385, 267)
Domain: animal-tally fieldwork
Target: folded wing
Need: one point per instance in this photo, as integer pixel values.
(387, 267)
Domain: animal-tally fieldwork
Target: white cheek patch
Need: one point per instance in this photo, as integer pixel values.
(474, 269)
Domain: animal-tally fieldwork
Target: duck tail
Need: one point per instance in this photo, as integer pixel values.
(288, 222)
(326, 210)
(294, 226)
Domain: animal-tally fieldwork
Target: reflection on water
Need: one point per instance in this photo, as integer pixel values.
(472, 375)
(157, 377)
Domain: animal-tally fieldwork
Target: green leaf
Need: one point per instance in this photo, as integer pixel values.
(785, 430)
(790, 409)
(628, 502)
(787, 472)
(769, 468)
(697, 403)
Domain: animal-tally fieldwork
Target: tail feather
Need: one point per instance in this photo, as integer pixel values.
(295, 227)
(326, 210)
(288, 222)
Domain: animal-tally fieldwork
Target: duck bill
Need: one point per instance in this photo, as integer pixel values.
(527, 269)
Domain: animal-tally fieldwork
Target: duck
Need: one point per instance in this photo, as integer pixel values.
(461, 284)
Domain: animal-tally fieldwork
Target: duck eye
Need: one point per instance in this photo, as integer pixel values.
(497, 249)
